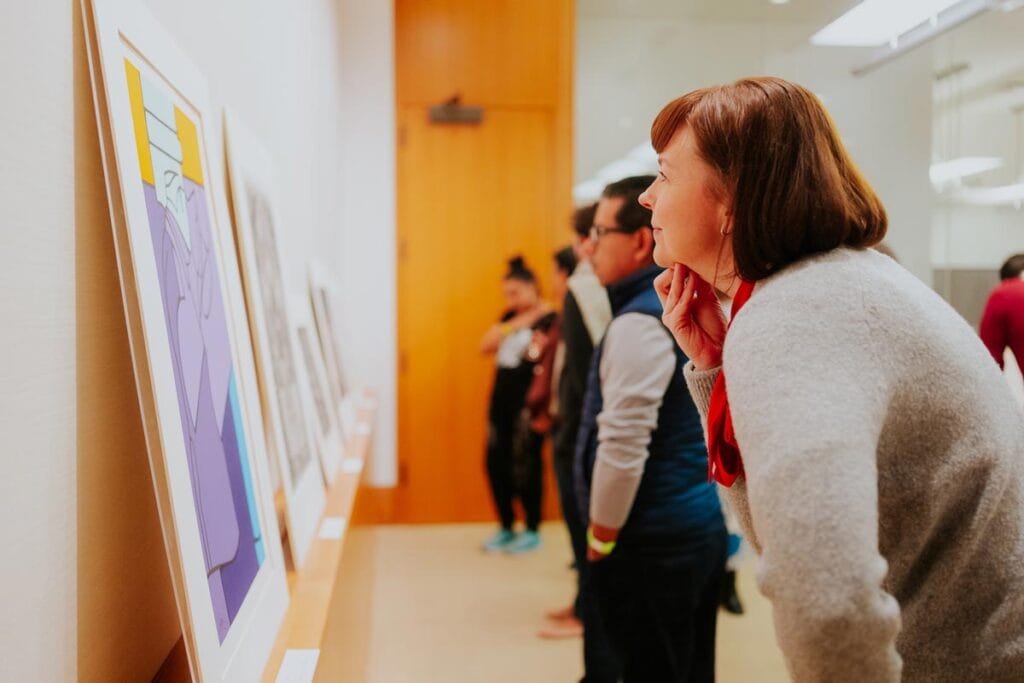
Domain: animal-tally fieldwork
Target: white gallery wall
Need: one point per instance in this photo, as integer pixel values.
(37, 346)
(979, 111)
(628, 68)
(294, 72)
(976, 237)
(368, 254)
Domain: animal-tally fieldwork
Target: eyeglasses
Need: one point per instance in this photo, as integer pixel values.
(599, 231)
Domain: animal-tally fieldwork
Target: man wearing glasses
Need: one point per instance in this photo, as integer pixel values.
(656, 540)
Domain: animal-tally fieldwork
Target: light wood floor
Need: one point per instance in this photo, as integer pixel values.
(441, 610)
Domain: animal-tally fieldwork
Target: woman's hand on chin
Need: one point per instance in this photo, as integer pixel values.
(693, 315)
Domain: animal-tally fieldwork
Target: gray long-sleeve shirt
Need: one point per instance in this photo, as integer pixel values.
(884, 487)
(636, 368)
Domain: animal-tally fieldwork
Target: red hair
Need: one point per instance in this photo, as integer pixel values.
(793, 189)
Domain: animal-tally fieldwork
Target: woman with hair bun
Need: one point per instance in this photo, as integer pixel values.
(513, 450)
(859, 426)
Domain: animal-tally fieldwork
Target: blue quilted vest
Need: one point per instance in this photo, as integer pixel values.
(674, 498)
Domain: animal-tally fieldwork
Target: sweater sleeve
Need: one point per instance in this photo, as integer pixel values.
(636, 368)
(700, 383)
(808, 394)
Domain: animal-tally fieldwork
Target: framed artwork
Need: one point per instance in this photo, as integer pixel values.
(329, 435)
(286, 411)
(321, 294)
(191, 352)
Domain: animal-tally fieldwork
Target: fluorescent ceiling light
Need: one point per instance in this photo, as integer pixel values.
(779, 2)
(944, 172)
(993, 196)
(876, 22)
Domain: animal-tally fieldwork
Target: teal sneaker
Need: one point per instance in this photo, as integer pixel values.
(523, 543)
(499, 541)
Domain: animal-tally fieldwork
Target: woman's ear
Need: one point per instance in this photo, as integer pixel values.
(725, 220)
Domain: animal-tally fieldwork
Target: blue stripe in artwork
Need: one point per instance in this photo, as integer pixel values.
(243, 454)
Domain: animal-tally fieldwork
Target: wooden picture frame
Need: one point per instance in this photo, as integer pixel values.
(191, 353)
(322, 296)
(330, 437)
(286, 406)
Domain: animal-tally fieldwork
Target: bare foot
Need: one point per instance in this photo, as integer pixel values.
(561, 614)
(563, 628)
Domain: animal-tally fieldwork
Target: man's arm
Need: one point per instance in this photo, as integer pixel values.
(636, 368)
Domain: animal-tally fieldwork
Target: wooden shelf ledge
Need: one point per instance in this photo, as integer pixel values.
(312, 586)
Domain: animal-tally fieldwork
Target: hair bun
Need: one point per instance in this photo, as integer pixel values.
(518, 270)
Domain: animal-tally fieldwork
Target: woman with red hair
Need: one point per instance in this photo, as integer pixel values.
(856, 422)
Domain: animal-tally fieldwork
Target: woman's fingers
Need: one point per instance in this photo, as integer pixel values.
(686, 296)
(663, 283)
(675, 292)
(709, 313)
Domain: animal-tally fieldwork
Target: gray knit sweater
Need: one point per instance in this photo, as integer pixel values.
(884, 488)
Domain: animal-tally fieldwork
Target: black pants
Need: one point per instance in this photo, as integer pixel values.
(573, 523)
(600, 664)
(659, 605)
(514, 471)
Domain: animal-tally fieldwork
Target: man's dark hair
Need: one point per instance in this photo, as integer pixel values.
(1013, 267)
(565, 258)
(631, 215)
(583, 219)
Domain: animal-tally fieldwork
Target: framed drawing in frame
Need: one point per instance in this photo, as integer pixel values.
(191, 352)
(286, 409)
(322, 297)
(328, 428)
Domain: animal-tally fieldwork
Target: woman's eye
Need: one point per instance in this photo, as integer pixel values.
(662, 175)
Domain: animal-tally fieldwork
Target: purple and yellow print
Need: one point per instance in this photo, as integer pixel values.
(171, 171)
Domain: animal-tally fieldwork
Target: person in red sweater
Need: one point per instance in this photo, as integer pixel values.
(1002, 323)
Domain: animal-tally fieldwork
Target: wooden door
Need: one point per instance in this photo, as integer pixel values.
(469, 197)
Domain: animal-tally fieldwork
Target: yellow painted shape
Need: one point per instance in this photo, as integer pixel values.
(191, 165)
(139, 121)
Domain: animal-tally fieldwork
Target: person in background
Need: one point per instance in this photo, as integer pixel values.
(547, 352)
(507, 441)
(859, 428)
(1002, 323)
(656, 541)
(585, 315)
(542, 399)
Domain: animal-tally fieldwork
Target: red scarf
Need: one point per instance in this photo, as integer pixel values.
(724, 462)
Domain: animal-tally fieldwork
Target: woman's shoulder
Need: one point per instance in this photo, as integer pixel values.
(832, 282)
(815, 286)
(847, 296)
(839, 290)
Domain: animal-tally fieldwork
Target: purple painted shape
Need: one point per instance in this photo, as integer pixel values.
(201, 357)
(212, 483)
(238, 575)
(220, 609)
(205, 282)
